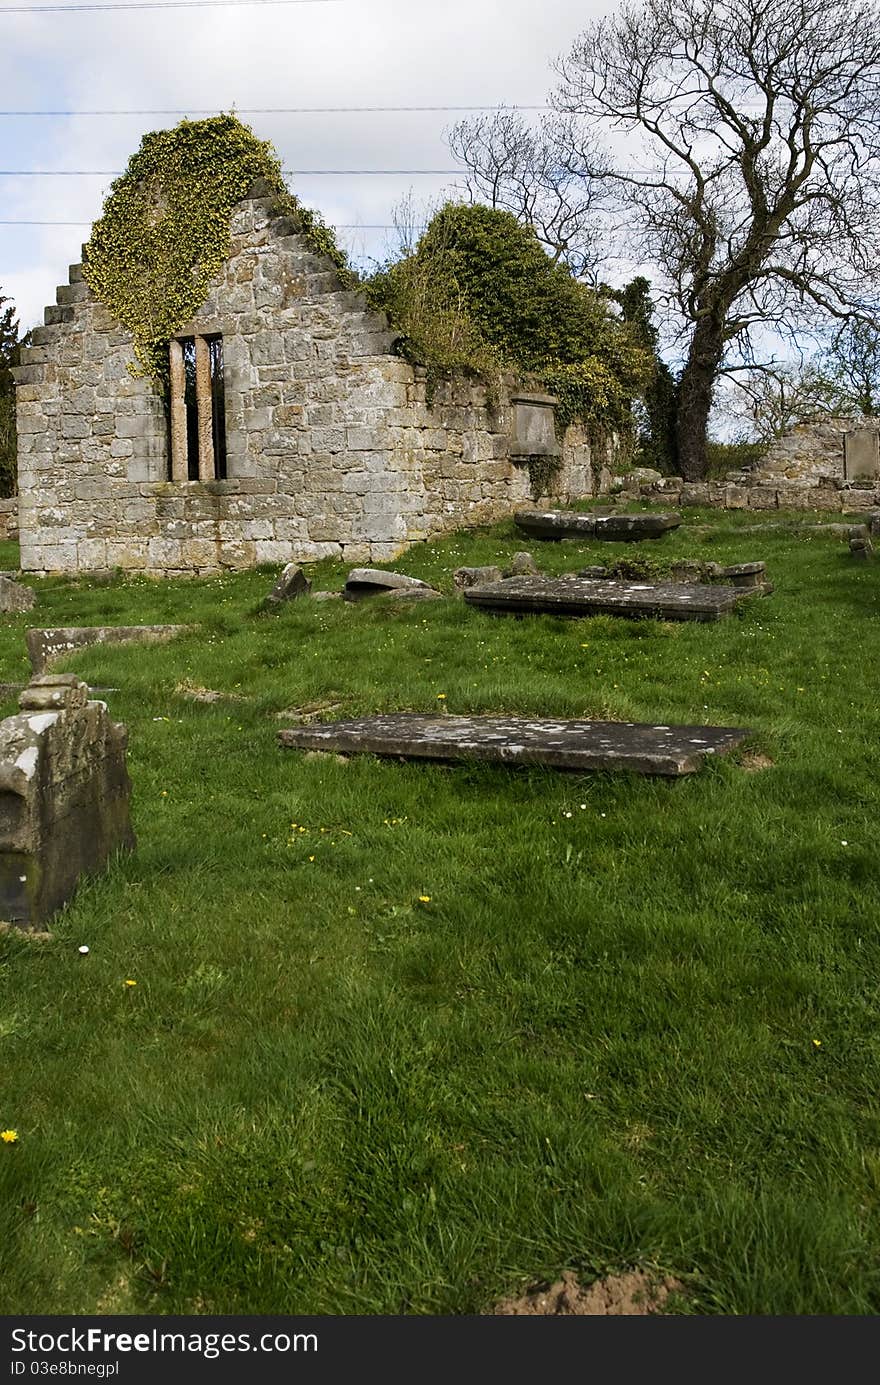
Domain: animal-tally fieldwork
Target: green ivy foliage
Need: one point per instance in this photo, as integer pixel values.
(658, 444)
(480, 293)
(165, 229)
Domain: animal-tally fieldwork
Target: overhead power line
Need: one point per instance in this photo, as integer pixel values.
(156, 5)
(293, 172)
(287, 110)
(336, 225)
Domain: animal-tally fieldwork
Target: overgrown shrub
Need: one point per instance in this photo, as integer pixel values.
(480, 294)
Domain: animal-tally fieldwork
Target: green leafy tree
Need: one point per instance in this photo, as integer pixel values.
(480, 293)
(658, 444)
(8, 354)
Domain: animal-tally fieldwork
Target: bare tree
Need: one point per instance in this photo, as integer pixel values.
(747, 134)
(852, 365)
(769, 402)
(528, 171)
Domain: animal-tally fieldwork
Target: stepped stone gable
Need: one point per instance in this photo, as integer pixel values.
(330, 446)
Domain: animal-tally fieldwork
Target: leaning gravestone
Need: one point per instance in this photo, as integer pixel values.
(291, 584)
(583, 596)
(64, 796)
(572, 745)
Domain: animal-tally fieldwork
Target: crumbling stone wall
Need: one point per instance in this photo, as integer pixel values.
(64, 796)
(332, 446)
(9, 519)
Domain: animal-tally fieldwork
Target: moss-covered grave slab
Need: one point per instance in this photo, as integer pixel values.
(563, 744)
(585, 596)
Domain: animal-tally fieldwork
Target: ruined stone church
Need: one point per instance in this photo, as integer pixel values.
(291, 430)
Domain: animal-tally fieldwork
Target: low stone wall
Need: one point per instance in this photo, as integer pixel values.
(9, 519)
(836, 498)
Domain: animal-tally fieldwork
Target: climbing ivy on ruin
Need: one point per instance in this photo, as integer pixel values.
(165, 229)
(480, 294)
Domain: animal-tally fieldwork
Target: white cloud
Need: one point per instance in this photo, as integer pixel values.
(358, 52)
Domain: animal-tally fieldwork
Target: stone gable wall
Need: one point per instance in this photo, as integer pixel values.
(332, 448)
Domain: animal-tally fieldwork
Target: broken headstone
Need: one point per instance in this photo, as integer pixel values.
(64, 796)
(15, 597)
(861, 548)
(372, 581)
(291, 584)
(521, 565)
(474, 576)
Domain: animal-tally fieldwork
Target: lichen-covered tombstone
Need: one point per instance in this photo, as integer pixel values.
(64, 797)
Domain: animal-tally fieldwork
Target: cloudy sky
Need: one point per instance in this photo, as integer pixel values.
(204, 60)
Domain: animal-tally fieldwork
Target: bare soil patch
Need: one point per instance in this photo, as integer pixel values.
(634, 1294)
(753, 760)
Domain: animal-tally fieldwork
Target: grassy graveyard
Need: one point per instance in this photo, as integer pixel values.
(406, 1037)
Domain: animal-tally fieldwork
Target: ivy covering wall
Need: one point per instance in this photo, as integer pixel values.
(165, 229)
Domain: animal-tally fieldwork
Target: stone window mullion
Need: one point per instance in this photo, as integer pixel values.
(179, 460)
(207, 468)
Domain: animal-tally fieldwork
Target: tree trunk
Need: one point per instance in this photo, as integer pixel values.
(695, 398)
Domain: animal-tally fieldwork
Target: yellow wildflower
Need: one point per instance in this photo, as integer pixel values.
(424, 899)
(9, 1137)
(128, 982)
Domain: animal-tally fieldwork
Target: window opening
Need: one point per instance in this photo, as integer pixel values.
(197, 409)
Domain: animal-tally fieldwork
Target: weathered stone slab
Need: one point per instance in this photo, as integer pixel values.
(569, 524)
(291, 584)
(555, 524)
(64, 797)
(373, 581)
(583, 596)
(14, 597)
(44, 646)
(564, 744)
(405, 595)
(632, 528)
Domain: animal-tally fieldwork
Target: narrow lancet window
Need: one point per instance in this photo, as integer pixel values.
(197, 407)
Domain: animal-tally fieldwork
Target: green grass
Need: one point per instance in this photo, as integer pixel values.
(593, 1046)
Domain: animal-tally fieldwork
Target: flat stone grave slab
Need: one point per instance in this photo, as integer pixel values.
(585, 596)
(564, 744)
(570, 524)
(45, 646)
